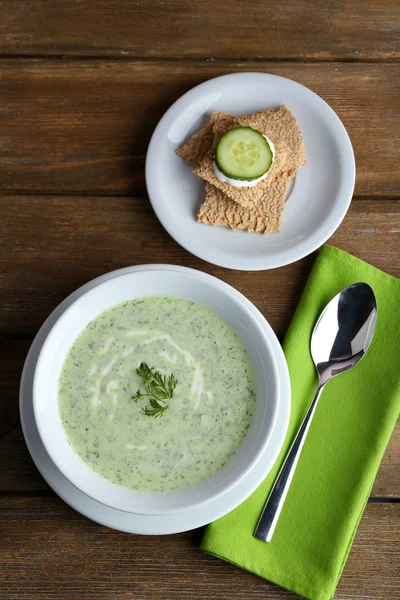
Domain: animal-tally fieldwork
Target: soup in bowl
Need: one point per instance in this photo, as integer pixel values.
(156, 391)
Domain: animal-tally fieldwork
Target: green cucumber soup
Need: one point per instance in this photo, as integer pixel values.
(156, 394)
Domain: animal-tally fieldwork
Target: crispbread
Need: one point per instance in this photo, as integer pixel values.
(257, 208)
(218, 209)
(282, 124)
(285, 161)
(200, 143)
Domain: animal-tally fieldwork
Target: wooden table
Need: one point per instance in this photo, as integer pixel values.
(82, 86)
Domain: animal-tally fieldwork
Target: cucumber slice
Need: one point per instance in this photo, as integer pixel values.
(243, 153)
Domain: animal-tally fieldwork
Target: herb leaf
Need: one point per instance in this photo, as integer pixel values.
(144, 371)
(159, 388)
(156, 409)
(163, 387)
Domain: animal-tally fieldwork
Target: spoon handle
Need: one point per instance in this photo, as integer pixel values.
(273, 506)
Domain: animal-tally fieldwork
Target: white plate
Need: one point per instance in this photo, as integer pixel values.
(145, 524)
(316, 205)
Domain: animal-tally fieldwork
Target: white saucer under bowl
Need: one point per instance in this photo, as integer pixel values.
(134, 523)
(318, 200)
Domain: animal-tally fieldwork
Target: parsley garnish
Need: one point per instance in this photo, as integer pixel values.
(158, 387)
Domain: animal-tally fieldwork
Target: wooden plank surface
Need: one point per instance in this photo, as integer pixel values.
(51, 245)
(353, 29)
(60, 554)
(84, 126)
(83, 83)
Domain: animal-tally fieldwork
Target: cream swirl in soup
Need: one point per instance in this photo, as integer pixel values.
(208, 414)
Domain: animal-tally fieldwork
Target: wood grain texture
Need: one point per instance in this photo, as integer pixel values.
(84, 126)
(11, 362)
(353, 29)
(76, 116)
(59, 554)
(50, 245)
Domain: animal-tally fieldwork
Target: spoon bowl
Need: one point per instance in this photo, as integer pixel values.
(344, 331)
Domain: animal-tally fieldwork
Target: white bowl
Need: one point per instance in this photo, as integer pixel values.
(227, 303)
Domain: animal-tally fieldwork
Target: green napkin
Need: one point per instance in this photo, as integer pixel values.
(345, 444)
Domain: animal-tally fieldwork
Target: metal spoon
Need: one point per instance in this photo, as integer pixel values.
(340, 339)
